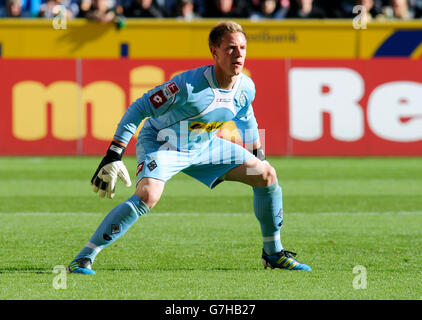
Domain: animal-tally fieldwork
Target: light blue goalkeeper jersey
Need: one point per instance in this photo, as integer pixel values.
(188, 110)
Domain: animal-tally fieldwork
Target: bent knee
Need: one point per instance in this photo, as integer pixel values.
(150, 193)
(150, 198)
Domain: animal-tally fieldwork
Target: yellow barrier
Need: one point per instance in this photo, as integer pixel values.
(169, 38)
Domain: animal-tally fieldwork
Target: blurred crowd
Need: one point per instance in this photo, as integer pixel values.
(109, 10)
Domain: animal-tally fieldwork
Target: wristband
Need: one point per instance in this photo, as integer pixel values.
(115, 151)
(259, 153)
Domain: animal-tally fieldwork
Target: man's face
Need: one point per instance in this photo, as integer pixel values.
(230, 55)
(225, 6)
(399, 7)
(268, 6)
(15, 9)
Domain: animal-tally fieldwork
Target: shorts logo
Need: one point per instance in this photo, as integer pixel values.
(140, 167)
(115, 228)
(158, 99)
(152, 165)
(202, 126)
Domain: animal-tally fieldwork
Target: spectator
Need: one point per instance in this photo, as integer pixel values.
(372, 9)
(374, 5)
(397, 9)
(53, 8)
(13, 9)
(84, 7)
(119, 5)
(417, 8)
(301, 9)
(334, 8)
(270, 9)
(185, 9)
(228, 9)
(101, 11)
(169, 7)
(32, 6)
(49, 9)
(143, 9)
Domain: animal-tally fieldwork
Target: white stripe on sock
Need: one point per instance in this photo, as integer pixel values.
(268, 239)
(93, 246)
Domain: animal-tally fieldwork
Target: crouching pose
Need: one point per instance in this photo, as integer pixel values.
(179, 135)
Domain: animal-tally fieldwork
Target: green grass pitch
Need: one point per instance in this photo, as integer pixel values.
(356, 221)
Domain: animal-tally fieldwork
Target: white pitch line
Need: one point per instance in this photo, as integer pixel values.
(216, 214)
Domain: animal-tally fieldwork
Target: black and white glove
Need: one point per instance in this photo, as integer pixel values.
(111, 167)
(259, 153)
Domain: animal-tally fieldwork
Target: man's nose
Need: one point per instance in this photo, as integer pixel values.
(238, 52)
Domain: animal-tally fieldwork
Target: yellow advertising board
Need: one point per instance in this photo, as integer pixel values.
(169, 38)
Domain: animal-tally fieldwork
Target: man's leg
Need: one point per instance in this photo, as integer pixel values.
(117, 222)
(268, 208)
(268, 203)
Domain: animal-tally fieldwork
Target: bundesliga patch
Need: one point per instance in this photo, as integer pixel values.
(152, 165)
(173, 88)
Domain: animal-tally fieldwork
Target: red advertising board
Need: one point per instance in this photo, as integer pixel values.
(304, 107)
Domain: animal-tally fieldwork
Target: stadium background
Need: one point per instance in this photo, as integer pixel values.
(323, 86)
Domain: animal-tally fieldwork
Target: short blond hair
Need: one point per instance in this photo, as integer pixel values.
(217, 33)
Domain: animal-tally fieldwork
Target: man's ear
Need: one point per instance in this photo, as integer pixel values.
(213, 51)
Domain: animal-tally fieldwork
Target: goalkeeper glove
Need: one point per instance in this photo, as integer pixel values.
(259, 153)
(110, 168)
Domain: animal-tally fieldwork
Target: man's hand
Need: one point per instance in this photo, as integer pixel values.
(110, 168)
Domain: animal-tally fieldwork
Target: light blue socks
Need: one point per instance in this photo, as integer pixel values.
(114, 225)
(268, 206)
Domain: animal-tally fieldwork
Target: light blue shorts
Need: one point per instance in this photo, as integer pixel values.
(207, 164)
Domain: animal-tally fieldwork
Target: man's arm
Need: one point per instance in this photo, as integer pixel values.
(152, 104)
(248, 129)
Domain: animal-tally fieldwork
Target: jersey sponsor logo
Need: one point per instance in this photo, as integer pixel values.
(158, 99)
(223, 100)
(203, 126)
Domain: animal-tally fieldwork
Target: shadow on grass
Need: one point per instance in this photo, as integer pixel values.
(49, 270)
(35, 270)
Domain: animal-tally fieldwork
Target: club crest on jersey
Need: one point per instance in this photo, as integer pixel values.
(242, 99)
(152, 165)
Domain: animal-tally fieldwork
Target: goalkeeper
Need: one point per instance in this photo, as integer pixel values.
(179, 135)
